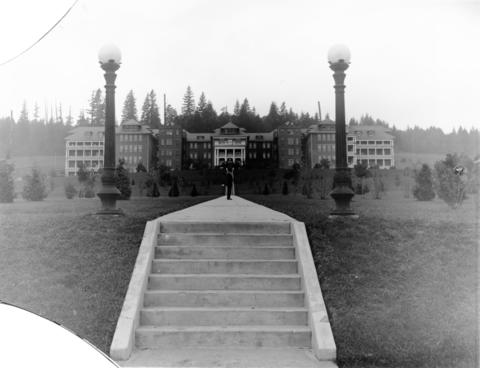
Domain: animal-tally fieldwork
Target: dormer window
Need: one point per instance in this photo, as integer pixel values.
(259, 137)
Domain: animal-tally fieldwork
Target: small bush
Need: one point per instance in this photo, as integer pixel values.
(34, 188)
(174, 192)
(70, 190)
(122, 181)
(266, 190)
(423, 190)
(194, 191)
(450, 186)
(7, 186)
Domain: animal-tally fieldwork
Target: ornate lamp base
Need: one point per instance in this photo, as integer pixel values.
(109, 195)
(342, 194)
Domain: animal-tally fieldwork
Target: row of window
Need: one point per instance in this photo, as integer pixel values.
(130, 148)
(264, 145)
(72, 164)
(95, 143)
(130, 137)
(328, 137)
(374, 151)
(166, 153)
(291, 141)
(377, 162)
(166, 142)
(230, 141)
(326, 148)
(293, 151)
(195, 155)
(132, 160)
(388, 143)
(195, 145)
(81, 153)
(253, 155)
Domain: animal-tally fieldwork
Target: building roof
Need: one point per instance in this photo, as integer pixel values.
(133, 126)
(194, 137)
(86, 133)
(370, 132)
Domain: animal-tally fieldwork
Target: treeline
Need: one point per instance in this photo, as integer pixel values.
(46, 136)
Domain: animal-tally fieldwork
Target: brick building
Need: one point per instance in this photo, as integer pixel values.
(135, 143)
(289, 138)
(169, 152)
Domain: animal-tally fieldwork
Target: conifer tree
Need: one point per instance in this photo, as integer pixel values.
(202, 103)
(188, 107)
(236, 109)
(129, 107)
(423, 190)
(34, 188)
(7, 187)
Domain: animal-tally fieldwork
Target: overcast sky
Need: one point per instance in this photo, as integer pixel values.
(413, 62)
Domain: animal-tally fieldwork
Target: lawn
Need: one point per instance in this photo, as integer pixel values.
(61, 262)
(400, 283)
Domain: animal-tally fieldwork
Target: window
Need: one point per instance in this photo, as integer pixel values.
(71, 152)
(371, 151)
(350, 148)
(379, 151)
(364, 151)
(358, 151)
(162, 142)
(349, 138)
(290, 141)
(121, 137)
(387, 151)
(371, 163)
(71, 143)
(79, 153)
(168, 142)
(259, 137)
(291, 152)
(168, 163)
(95, 152)
(268, 154)
(290, 162)
(264, 155)
(297, 141)
(387, 142)
(94, 143)
(378, 142)
(88, 153)
(79, 143)
(169, 132)
(371, 142)
(388, 163)
(200, 137)
(363, 142)
(71, 164)
(380, 162)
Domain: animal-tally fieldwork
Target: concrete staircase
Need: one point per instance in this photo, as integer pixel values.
(224, 284)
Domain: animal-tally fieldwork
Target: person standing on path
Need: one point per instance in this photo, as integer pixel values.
(229, 182)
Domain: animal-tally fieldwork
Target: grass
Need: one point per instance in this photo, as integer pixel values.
(61, 262)
(400, 283)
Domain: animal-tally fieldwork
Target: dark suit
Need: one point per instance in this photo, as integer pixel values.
(229, 183)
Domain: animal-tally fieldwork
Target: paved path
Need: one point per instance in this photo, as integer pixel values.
(221, 209)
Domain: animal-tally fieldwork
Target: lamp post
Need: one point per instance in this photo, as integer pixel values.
(342, 193)
(109, 57)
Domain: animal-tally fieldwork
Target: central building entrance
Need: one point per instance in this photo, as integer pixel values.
(230, 144)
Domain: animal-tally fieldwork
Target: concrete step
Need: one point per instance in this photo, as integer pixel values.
(223, 252)
(226, 357)
(225, 239)
(234, 266)
(239, 336)
(223, 282)
(223, 316)
(226, 227)
(224, 298)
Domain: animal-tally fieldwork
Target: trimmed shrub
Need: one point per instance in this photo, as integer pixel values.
(7, 185)
(70, 190)
(194, 192)
(174, 192)
(34, 188)
(122, 181)
(450, 186)
(423, 190)
(266, 190)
